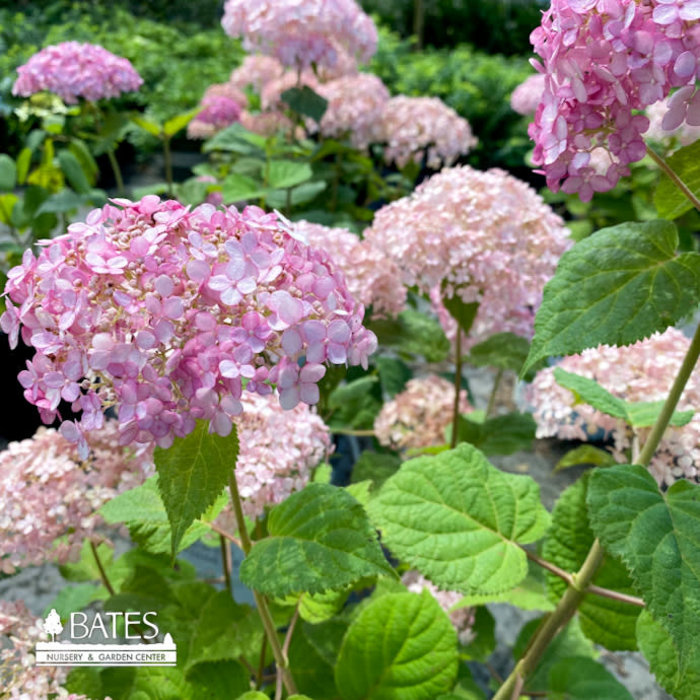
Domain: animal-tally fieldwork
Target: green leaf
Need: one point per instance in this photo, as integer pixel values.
(617, 286)
(7, 205)
(484, 643)
(669, 201)
(24, 160)
(607, 622)
(238, 188)
(151, 127)
(8, 173)
(179, 121)
(217, 681)
(413, 333)
(585, 454)
(75, 598)
(253, 695)
(223, 630)
(287, 173)
(319, 539)
(192, 473)
(655, 534)
(505, 351)
(501, 435)
(639, 415)
(375, 466)
(63, 201)
(85, 681)
(661, 652)
(74, 172)
(460, 521)
(463, 313)
(87, 163)
(355, 404)
(580, 678)
(299, 195)
(400, 647)
(393, 374)
(236, 139)
(143, 512)
(306, 102)
(322, 606)
(146, 683)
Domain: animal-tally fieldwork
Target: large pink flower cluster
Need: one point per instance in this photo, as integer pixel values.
(221, 105)
(255, 72)
(355, 107)
(462, 618)
(641, 372)
(485, 236)
(417, 416)
(528, 95)
(603, 61)
(72, 70)
(372, 277)
(418, 127)
(672, 139)
(300, 34)
(278, 451)
(166, 313)
(47, 492)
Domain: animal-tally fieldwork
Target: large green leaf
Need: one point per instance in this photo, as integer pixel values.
(657, 536)
(585, 454)
(179, 121)
(8, 173)
(605, 621)
(238, 188)
(306, 102)
(670, 202)
(402, 646)
(501, 435)
(413, 333)
(460, 521)
(502, 350)
(642, 414)
(581, 678)
(319, 539)
(461, 312)
(617, 286)
(192, 473)
(662, 654)
(375, 466)
(287, 173)
(73, 171)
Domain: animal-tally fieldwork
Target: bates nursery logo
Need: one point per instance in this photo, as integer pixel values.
(79, 651)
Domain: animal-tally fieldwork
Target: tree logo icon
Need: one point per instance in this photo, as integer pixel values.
(52, 624)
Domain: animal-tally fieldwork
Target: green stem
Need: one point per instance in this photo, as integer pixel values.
(494, 391)
(261, 664)
(261, 603)
(116, 170)
(458, 387)
(225, 560)
(168, 162)
(103, 574)
(674, 177)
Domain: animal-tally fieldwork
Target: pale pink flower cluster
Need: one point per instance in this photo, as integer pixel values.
(417, 416)
(641, 372)
(255, 72)
(72, 70)
(603, 61)
(528, 95)
(372, 278)
(462, 619)
(683, 135)
(301, 33)
(47, 492)
(271, 93)
(221, 105)
(166, 312)
(355, 108)
(485, 236)
(418, 127)
(278, 451)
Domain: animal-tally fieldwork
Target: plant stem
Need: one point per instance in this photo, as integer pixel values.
(225, 561)
(103, 574)
(356, 433)
(117, 171)
(261, 663)
(494, 391)
(227, 535)
(458, 387)
(168, 163)
(261, 603)
(674, 177)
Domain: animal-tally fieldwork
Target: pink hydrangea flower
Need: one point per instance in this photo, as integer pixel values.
(462, 619)
(641, 372)
(528, 95)
(683, 135)
(72, 70)
(603, 60)
(418, 416)
(300, 34)
(372, 277)
(418, 127)
(165, 313)
(47, 492)
(485, 236)
(221, 105)
(355, 107)
(255, 72)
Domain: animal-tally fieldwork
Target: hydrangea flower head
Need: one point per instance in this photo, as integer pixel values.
(222, 105)
(300, 34)
(485, 236)
(528, 95)
(418, 127)
(166, 313)
(417, 416)
(604, 60)
(73, 70)
(644, 371)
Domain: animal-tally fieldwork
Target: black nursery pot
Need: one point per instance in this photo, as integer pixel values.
(18, 418)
